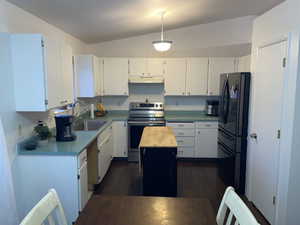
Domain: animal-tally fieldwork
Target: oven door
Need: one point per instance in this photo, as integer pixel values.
(226, 164)
(135, 131)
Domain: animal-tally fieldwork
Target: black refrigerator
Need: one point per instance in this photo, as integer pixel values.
(233, 129)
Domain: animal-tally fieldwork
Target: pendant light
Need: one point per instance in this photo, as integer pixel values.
(162, 45)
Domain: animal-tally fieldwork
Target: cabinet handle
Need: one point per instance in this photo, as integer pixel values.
(181, 133)
(207, 125)
(189, 93)
(182, 93)
(198, 132)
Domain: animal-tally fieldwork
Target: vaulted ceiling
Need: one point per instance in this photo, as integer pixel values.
(102, 20)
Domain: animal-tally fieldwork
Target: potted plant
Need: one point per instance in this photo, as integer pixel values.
(43, 132)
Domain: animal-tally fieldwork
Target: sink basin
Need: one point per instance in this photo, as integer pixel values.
(87, 125)
(93, 124)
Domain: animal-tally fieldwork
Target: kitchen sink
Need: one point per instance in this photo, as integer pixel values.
(87, 125)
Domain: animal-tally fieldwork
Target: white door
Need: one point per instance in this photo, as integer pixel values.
(137, 67)
(267, 85)
(175, 74)
(217, 66)
(155, 67)
(101, 76)
(196, 77)
(96, 74)
(83, 185)
(116, 76)
(206, 143)
(68, 75)
(54, 72)
(120, 146)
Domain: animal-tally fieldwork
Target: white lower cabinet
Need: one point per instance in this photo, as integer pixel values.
(206, 140)
(185, 137)
(120, 134)
(67, 174)
(105, 152)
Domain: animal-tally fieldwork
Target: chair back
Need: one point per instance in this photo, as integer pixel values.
(238, 211)
(47, 211)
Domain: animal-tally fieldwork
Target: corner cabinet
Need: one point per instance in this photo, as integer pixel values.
(115, 77)
(120, 134)
(217, 66)
(88, 76)
(43, 71)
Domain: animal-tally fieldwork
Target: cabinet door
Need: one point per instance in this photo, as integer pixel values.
(217, 66)
(84, 73)
(206, 143)
(155, 67)
(175, 74)
(137, 67)
(120, 137)
(116, 76)
(101, 78)
(54, 72)
(197, 75)
(28, 50)
(68, 75)
(83, 185)
(96, 74)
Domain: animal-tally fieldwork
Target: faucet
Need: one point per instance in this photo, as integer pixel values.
(73, 106)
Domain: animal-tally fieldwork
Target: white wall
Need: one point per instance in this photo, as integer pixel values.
(282, 22)
(223, 38)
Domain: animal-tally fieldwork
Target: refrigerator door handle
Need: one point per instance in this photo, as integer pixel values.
(226, 89)
(222, 102)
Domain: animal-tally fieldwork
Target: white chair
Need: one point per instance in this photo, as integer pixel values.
(237, 209)
(45, 210)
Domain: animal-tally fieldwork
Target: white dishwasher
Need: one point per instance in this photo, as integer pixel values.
(82, 180)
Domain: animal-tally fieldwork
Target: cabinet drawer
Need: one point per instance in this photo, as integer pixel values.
(185, 141)
(184, 132)
(82, 158)
(185, 152)
(181, 125)
(207, 125)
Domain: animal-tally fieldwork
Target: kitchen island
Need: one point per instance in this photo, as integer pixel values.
(158, 159)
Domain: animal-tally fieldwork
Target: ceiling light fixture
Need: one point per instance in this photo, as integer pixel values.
(162, 45)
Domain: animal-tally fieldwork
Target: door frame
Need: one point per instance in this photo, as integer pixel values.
(287, 123)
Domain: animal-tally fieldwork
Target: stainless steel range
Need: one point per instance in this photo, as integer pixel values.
(141, 115)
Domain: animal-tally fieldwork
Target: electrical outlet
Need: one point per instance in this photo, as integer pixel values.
(20, 130)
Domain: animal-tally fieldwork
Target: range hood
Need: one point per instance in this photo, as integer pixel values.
(146, 80)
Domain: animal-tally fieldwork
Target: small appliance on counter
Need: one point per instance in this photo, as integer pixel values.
(212, 107)
(64, 128)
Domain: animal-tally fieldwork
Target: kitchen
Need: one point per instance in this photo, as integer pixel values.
(120, 72)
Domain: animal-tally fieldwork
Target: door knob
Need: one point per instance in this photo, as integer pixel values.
(253, 135)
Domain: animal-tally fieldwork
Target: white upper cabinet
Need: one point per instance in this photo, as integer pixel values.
(155, 67)
(244, 64)
(116, 77)
(137, 67)
(196, 77)
(217, 66)
(146, 67)
(88, 76)
(175, 73)
(41, 79)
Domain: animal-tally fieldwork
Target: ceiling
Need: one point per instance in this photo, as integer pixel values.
(95, 21)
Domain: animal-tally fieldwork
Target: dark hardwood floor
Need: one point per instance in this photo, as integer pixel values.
(195, 180)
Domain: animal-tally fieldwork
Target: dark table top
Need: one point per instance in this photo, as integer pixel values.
(136, 210)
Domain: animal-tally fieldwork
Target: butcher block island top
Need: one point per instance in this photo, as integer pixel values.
(162, 137)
